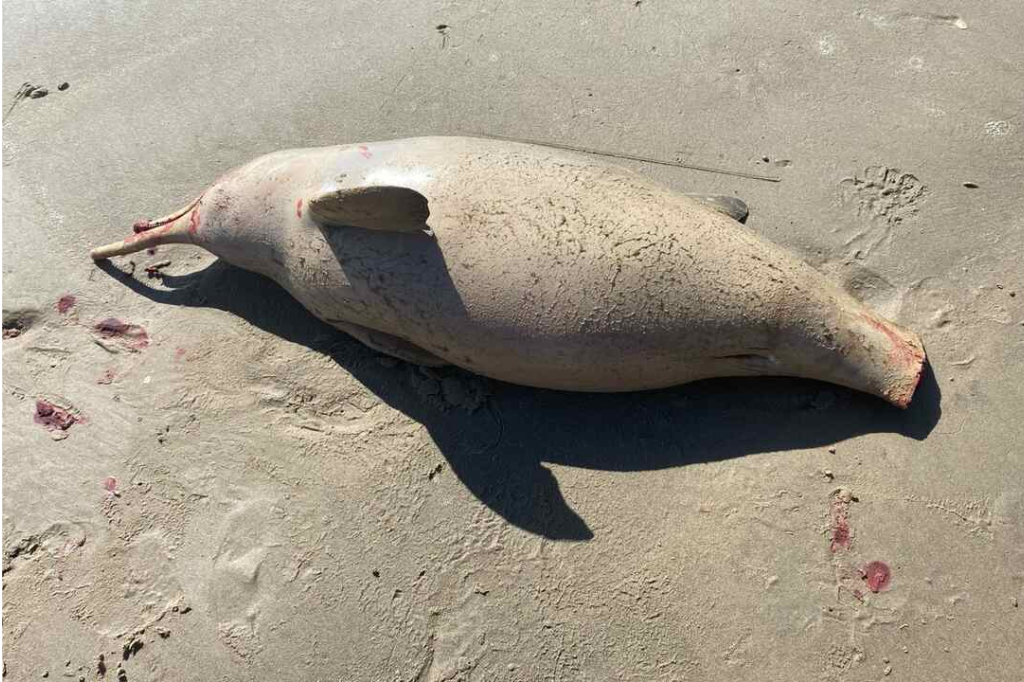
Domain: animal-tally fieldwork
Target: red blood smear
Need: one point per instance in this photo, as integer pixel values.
(110, 484)
(840, 534)
(901, 351)
(365, 151)
(66, 303)
(179, 353)
(53, 417)
(193, 221)
(107, 378)
(298, 207)
(114, 328)
(144, 234)
(877, 575)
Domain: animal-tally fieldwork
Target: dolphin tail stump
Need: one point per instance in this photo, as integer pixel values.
(535, 266)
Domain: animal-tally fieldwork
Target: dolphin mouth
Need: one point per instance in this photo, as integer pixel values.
(146, 225)
(174, 228)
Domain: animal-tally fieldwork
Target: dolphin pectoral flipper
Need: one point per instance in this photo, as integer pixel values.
(723, 203)
(381, 207)
(388, 344)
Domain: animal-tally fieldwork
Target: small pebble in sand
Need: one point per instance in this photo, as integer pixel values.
(888, 669)
(832, 450)
(64, 86)
(971, 185)
(828, 474)
(36, 93)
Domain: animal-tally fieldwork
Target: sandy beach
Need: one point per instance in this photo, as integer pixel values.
(201, 481)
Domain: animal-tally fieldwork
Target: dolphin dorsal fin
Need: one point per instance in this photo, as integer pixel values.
(380, 207)
(725, 204)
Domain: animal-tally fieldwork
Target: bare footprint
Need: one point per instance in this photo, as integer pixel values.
(240, 584)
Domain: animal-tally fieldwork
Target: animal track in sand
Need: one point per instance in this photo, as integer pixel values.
(887, 197)
(883, 193)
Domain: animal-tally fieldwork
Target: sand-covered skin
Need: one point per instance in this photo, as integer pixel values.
(266, 498)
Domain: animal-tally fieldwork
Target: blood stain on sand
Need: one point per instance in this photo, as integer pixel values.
(877, 575)
(66, 303)
(113, 328)
(107, 378)
(110, 484)
(298, 208)
(53, 417)
(839, 515)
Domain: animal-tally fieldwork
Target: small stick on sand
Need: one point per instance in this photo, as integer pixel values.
(632, 157)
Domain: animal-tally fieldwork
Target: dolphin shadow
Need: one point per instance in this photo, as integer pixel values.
(498, 451)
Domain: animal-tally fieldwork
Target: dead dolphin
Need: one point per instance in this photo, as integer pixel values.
(536, 267)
